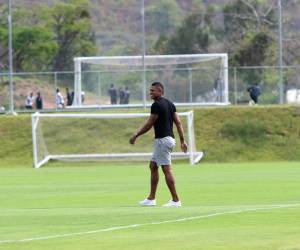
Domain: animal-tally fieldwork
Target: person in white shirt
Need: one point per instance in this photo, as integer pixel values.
(29, 101)
(60, 103)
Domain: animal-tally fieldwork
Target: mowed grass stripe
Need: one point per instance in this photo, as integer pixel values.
(60, 199)
(117, 228)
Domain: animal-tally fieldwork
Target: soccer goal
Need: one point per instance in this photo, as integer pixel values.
(189, 79)
(100, 136)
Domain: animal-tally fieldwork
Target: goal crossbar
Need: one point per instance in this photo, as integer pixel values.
(149, 59)
(108, 115)
(147, 63)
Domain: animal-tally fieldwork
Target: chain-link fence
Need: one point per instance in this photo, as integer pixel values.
(182, 86)
(268, 78)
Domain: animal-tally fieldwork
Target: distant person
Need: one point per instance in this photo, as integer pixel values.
(60, 103)
(126, 96)
(254, 92)
(121, 95)
(29, 101)
(72, 96)
(69, 97)
(39, 101)
(82, 97)
(217, 89)
(113, 94)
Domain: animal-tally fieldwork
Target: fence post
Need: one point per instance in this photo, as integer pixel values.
(99, 88)
(10, 59)
(55, 88)
(280, 60)
(191, 85)
(235, 85)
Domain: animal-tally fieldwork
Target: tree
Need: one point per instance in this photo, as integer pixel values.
(162, 16)
(48, 38)
(253, 49)
(193, 36)
(33, 45)
(3, 38)
(248, 29)
(33, 48)
(72, 25)
(290, 23)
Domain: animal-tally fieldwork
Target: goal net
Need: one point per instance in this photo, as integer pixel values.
(99, 136)
(189, 79)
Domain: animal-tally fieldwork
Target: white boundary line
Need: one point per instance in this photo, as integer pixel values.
(270, 207)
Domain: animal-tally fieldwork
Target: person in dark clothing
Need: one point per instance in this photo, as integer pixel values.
(39, 101)
(254, 92)
(113, 94)
(69, 97)
(121, 95)
(72, 96)
(126, 96)
(163, 115)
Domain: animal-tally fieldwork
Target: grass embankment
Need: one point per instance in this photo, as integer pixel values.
(232, 134)
(249, 133)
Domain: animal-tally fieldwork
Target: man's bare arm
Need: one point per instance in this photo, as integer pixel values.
(147, 126)
(179, 127)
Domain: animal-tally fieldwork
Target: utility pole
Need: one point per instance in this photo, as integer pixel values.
(143, 51)
(10, 59)
(280, 63)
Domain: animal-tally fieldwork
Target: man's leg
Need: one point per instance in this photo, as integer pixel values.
(254, 98)
(170, 180)
(154, 180)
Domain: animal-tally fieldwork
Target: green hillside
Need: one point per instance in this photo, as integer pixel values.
(232, 134)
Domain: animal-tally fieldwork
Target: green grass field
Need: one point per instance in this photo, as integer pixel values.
(94, 206)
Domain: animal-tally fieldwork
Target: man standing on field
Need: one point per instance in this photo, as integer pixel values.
(163, 114)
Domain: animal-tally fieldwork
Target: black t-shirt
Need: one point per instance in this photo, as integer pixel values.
(165, 110)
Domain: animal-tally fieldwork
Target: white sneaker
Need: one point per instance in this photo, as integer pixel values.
(173, 204)
(147, 202)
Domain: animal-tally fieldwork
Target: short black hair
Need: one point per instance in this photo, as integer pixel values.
(158, 84)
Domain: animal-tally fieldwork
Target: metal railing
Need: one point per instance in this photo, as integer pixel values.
(198, 91)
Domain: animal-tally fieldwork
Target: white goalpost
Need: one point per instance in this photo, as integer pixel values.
(201, 78)
(99, 136)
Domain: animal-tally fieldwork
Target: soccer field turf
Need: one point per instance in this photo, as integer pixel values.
(95, 206)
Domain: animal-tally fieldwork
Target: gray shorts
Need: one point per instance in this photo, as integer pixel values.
(162, 149)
